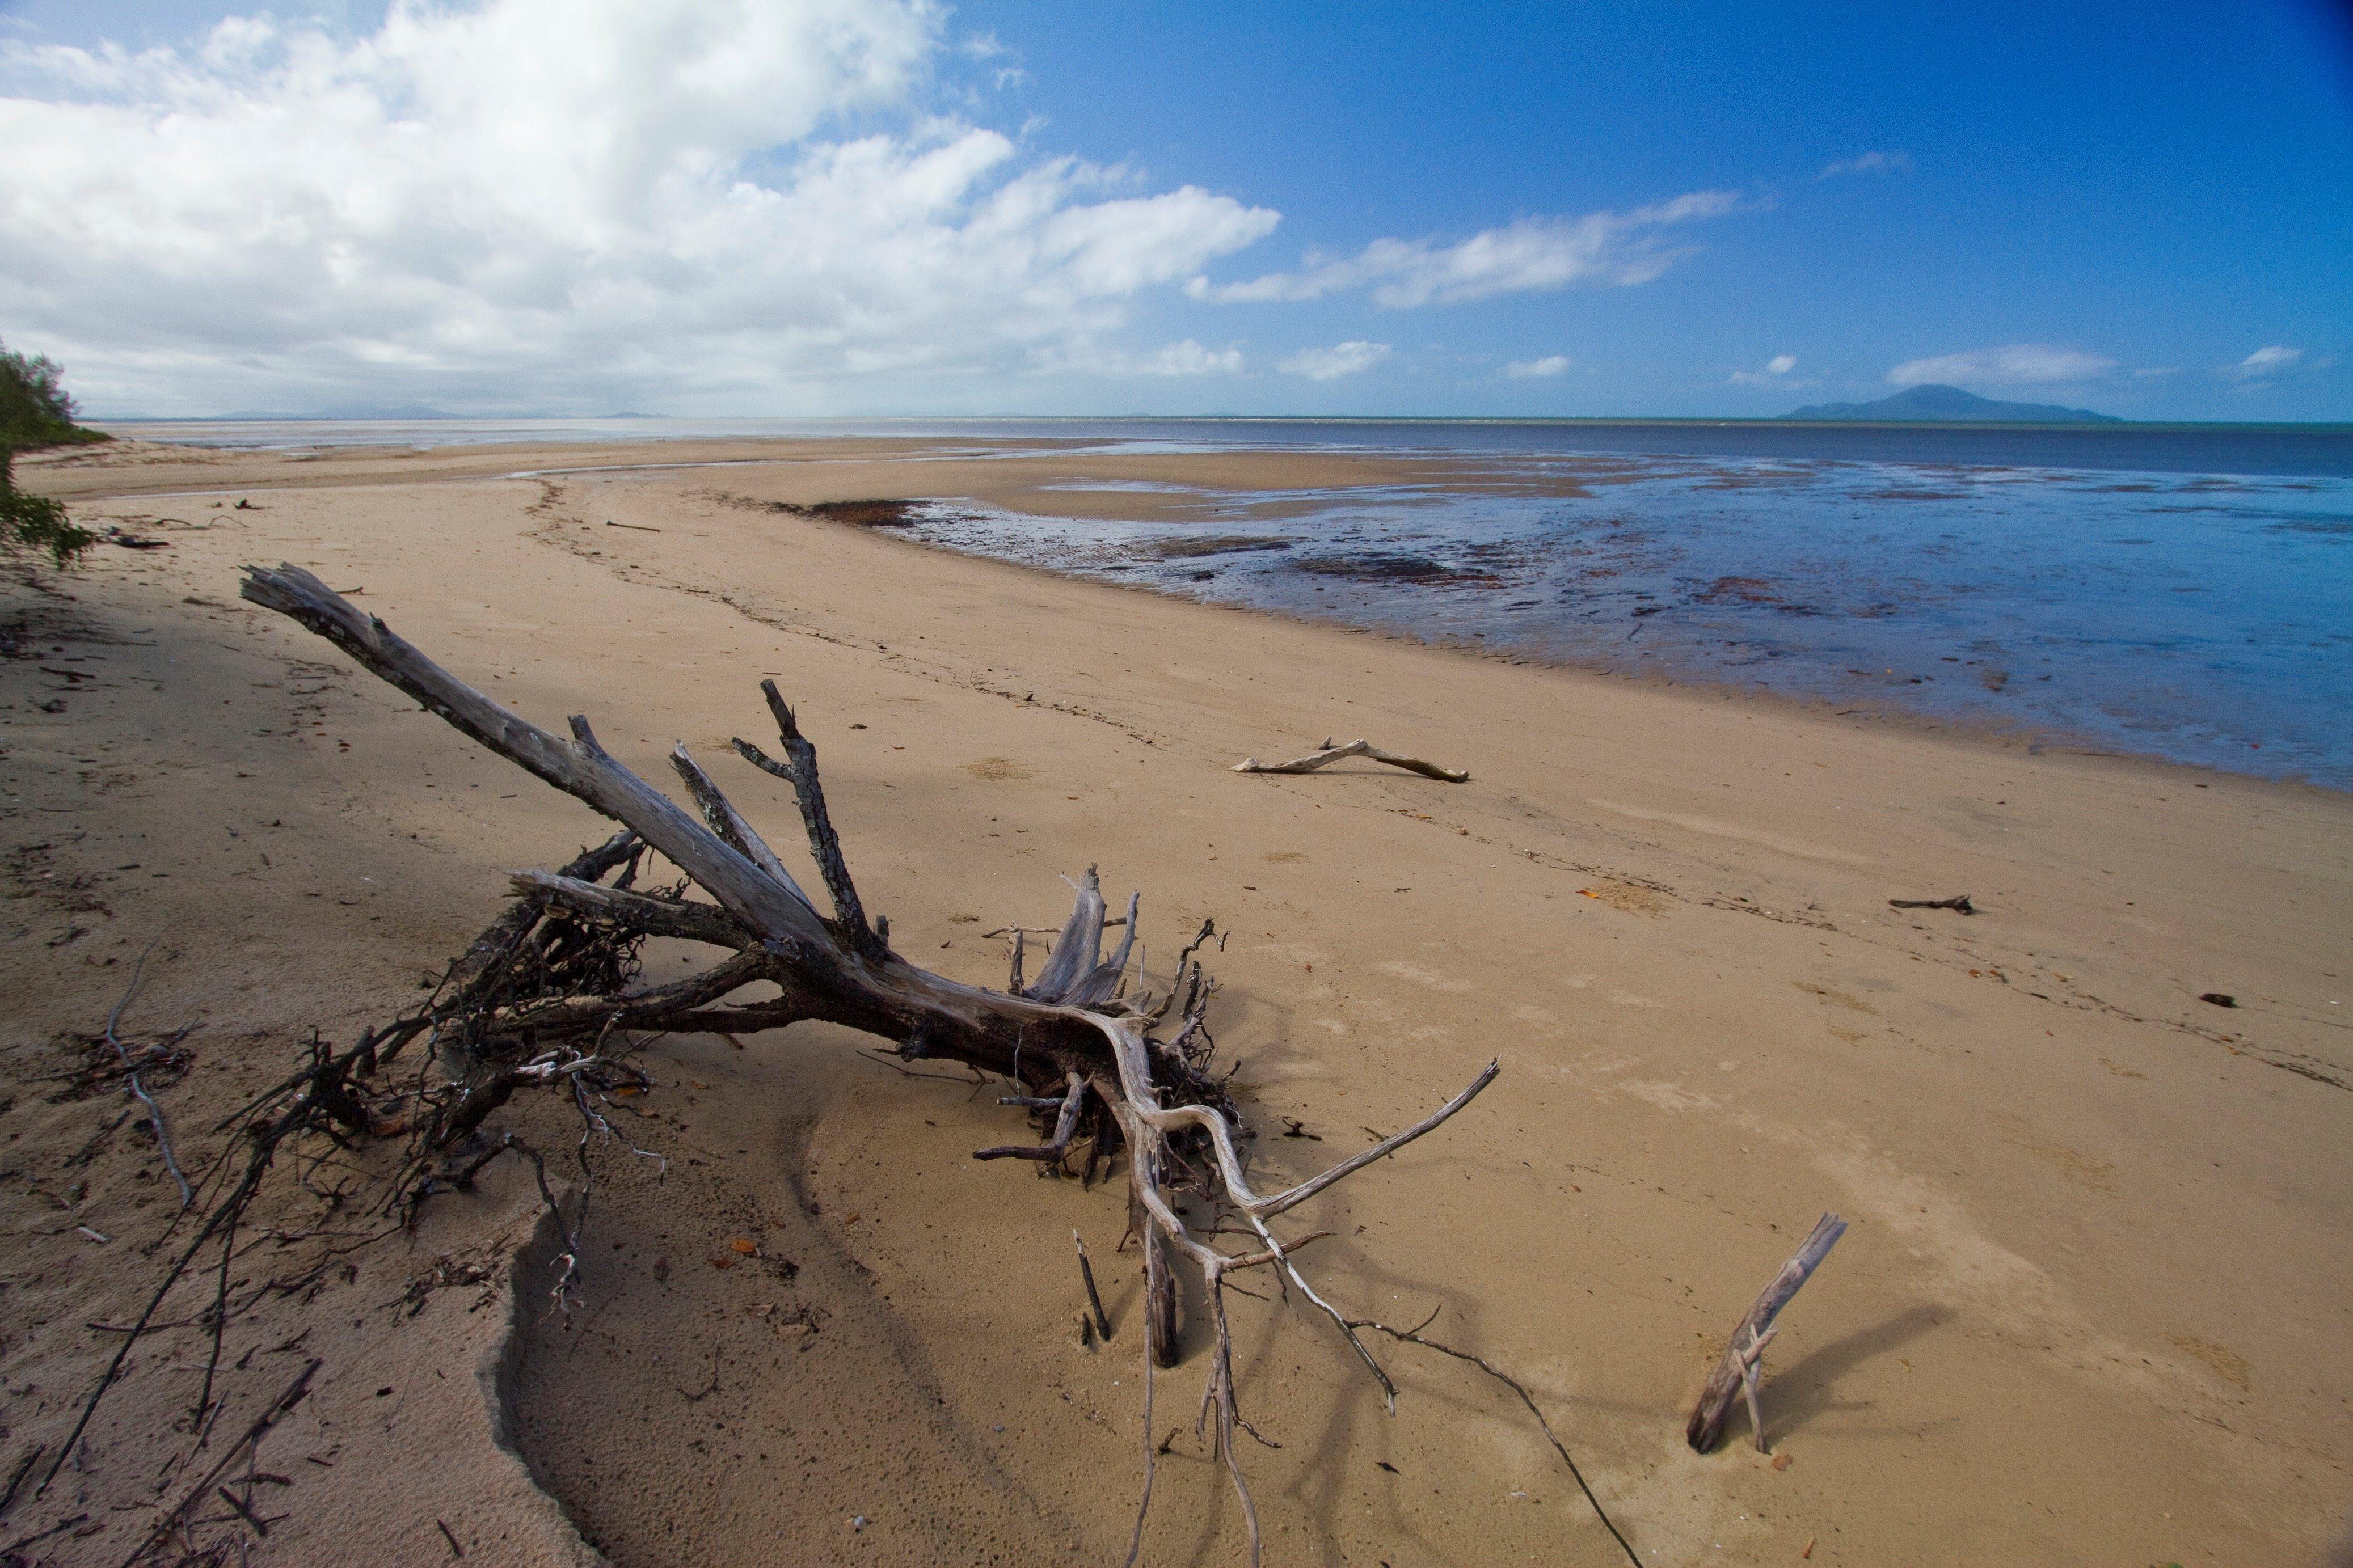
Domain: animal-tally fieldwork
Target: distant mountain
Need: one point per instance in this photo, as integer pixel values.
(1939, 405)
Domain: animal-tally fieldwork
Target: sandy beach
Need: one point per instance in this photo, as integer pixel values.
(2092, 1307)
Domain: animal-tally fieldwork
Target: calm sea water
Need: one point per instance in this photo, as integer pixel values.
(2284, 449)
(2184, 592)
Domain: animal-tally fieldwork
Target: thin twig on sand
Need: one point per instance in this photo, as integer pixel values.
(133, 1086)
(1331, 754)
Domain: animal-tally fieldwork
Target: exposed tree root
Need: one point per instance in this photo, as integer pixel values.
(338, 1100)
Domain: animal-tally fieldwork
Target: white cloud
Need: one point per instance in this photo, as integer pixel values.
(1868, 164)
(1189, 358)
(1100, 361)
(1775, 369)
(2019, 364)
(1602, 250)
(2265, 362)
(1529, 369)
(557, 204)
(1332, 363)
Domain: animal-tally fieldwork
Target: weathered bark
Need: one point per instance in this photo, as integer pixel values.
(1736, 1374)
(1331, 754)
(1074, 1039)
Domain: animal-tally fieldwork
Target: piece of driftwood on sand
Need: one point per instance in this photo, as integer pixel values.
(1735, 1372)
(1330, 753)
(1096, 1057)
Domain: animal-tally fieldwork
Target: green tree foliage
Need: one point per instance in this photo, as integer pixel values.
(35, 410)
(37, 523)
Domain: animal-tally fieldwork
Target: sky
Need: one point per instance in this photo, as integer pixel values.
(862, 207)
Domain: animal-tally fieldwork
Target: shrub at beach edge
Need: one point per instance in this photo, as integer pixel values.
(36, 411)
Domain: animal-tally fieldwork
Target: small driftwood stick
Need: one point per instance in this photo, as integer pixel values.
(294, 1396)
(1958, 905)
(1332, 753)
(1735, 1374)
(1094, 1300)
(1046, 931)
(131, 1084)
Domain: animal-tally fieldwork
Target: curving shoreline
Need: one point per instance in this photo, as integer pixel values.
(1667, 910)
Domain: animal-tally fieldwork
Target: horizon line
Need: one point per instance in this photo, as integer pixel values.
(2108, 423)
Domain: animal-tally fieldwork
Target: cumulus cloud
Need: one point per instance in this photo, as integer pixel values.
(1601, 249)
(1532, 369)
(1189, 358)
(1868, 164)
(1332, 363)
(2266, 362)
(559, 203)
(2019, 364)
(1776, 367)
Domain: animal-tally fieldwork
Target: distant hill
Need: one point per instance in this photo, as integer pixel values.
(1926, 405)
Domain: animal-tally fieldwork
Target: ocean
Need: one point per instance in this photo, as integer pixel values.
(2178, 592)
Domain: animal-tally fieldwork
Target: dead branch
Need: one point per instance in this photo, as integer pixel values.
(1958, 904)
(1094, 1300)
(1331, 754)
(1413, 1336)
(131, 1084)
(525, 955)
(1735, 1372)
(294, 1395)
(1067, 1122)
(1073, 1043)
(1044, 930)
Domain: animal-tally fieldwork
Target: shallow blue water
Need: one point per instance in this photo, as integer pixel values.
(2202, 618)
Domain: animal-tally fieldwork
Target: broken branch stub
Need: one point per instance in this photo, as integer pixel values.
(1082, 1050)
(1735, 1372)
(1331, 754)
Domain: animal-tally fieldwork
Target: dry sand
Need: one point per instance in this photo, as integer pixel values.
(2094, 1308)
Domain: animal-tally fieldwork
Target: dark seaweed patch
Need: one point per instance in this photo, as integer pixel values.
(2324, 527)
(1383, 566)
(864, 513)
(872, 513)
(1182, 549)
(1738, 591)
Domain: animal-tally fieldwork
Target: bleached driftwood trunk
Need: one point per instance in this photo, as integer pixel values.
(1082, 1046)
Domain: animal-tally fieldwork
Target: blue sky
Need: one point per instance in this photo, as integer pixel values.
(860, 206)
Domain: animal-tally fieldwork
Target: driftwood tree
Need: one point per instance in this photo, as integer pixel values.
(1094, 1054)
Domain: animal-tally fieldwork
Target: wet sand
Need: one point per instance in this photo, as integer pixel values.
(2092, 1307)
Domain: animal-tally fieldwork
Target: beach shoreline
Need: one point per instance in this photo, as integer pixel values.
(1010, 479)
(1666, 908)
